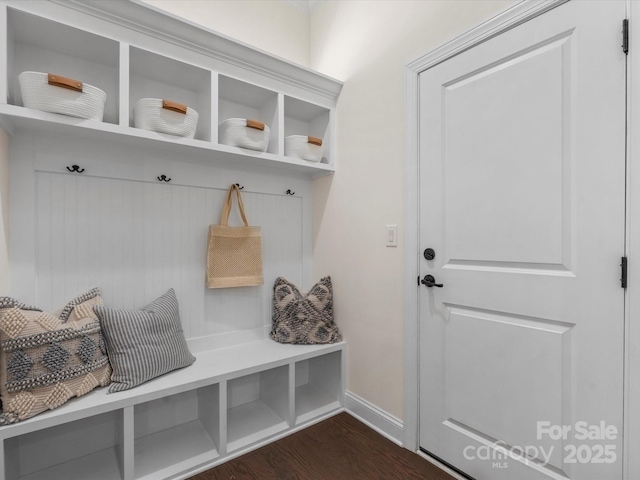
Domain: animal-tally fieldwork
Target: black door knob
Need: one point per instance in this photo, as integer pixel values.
(429, 254)
(429, 281)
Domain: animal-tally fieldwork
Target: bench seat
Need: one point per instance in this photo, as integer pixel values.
(236, 398)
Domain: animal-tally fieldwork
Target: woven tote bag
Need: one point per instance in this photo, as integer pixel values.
(234, 254)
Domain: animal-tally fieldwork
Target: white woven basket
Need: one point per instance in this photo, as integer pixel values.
(237, 133)
(149, 114)
(298, 146)
(39, 94)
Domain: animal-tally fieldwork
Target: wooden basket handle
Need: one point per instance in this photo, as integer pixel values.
(255, 124)
(174, 106)
(64, 82)
(315, 141)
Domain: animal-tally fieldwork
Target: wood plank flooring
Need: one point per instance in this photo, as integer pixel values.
(340, 448)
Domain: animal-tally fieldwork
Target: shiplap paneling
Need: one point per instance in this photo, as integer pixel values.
(135, 239)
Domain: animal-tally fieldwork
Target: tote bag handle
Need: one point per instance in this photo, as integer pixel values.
(226, 209)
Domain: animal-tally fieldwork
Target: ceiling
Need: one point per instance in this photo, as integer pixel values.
(308, 6)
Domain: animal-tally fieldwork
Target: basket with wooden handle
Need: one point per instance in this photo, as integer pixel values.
(244, 133)
(303, 147)
(165, 116)
(55, 93)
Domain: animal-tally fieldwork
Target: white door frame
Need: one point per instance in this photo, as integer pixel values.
(508, 19)
(632, 303)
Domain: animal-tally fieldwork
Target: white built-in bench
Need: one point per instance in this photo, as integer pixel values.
(119, 226)
(230, 401)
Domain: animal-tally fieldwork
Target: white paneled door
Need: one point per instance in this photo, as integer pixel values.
(522, 199)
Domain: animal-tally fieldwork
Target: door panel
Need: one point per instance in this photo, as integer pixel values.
(522, 184)
(481, 226)
(526, 361)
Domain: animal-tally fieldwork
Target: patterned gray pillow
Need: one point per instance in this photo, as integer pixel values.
(303, 318)
(47, 358)
(144, 344)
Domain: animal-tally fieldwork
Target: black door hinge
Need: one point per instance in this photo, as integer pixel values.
(623, 278)
(625, 36)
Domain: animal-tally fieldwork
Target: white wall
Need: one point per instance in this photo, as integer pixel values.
(270, 25)
(366, 44)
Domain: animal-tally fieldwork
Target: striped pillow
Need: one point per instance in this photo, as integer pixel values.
(144, 344)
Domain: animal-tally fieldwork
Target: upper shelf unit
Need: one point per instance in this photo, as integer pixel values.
(188, 65)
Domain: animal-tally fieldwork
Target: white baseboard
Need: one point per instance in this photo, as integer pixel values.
(382, 422)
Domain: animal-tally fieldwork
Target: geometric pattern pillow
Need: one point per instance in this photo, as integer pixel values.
(146, 343)
(47, 358)
(303, 318)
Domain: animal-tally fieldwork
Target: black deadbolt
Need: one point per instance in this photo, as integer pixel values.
(429, 254)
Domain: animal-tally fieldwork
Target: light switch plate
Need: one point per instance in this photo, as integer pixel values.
(392, 235)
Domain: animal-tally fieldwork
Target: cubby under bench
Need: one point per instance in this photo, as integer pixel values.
(230, 401)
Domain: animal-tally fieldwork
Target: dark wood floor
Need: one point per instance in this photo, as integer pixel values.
(335, 449)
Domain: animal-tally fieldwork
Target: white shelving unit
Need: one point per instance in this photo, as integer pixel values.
(128, 72)
(174, 425)
(243, 391)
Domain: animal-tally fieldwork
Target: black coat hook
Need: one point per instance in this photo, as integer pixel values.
(289, 192)
(75, 168)
(240, 187)
(163, 178)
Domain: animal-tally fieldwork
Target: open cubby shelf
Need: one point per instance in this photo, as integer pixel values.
(174, 431)
(224, 404)
(317, 391)
(103, 465)
(257, 407)
(128, 72)
(70, 450)
(169, 451)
